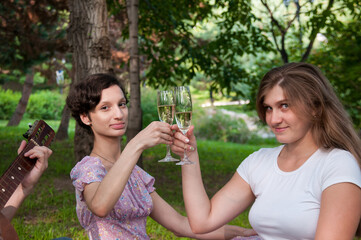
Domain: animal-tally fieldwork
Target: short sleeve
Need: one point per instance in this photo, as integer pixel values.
(341, 167)
(243, 168)
(146, 178)
(255, 163)
(88, 170)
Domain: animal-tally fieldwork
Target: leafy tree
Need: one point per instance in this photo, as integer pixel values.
(174, 54)
(30, 33)
(293, 26)
(340, 59)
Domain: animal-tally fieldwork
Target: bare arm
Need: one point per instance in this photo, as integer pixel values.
(207, 215)
(165, 215)
(340, 212)
(27, 185)
(102, 196)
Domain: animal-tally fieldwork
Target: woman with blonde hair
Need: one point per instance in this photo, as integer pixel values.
(309, 187)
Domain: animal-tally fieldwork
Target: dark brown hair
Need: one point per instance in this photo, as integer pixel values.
(311, 96)
(85, 95)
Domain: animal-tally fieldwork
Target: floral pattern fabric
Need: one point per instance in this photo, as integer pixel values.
(128, 218)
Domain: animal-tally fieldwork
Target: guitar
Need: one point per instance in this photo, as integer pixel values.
(39, 134)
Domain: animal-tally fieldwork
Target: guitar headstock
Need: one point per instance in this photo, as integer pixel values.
(40, 133)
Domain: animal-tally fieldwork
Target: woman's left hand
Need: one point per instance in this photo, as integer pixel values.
(41, 153)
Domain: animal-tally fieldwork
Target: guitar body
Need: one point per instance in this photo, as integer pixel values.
(40, 134)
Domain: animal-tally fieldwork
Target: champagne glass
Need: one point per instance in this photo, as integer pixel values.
(165, 101)
(183, 115)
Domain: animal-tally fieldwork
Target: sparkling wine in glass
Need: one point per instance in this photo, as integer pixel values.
(166, 108)
(183, 114)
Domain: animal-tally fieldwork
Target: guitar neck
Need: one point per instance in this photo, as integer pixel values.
(15, 174)
(41, 135)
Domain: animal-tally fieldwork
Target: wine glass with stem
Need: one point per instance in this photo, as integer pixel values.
(166, 108)
(183, 115)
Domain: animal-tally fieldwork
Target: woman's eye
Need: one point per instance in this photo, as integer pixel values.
(122, 105)
(267, 108)
(104, 108)
(284, 105)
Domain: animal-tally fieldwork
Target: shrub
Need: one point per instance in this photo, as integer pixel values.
(221, 127)
(149, 106)
(8, 102)
(45, 104)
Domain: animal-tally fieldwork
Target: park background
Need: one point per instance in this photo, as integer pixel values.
(221, 49)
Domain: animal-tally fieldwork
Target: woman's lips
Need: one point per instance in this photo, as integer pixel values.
(279, 129)
(118, 126)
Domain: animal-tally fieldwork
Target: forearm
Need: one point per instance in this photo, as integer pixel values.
(225, 232)
(197, 203)
(113, 184)
(169, 218)
(183, 229)
(14, 203)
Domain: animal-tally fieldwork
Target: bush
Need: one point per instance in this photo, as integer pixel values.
(221, 127)
(45, 104)
(8, 102)
(149, 106)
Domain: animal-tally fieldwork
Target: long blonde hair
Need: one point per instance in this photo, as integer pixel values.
(311, 96)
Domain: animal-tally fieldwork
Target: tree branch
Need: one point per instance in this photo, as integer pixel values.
(316, 30)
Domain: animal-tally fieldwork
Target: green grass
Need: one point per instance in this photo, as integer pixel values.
(49, 212)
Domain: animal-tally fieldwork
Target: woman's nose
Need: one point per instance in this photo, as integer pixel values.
(119, 112)
(276, 117)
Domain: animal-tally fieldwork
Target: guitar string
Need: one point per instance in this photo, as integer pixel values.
(18, 164)
(16, 176)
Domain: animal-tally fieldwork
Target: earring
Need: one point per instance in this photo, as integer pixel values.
(90, 124)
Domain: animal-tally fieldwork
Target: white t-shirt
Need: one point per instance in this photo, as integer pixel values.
(287, 204)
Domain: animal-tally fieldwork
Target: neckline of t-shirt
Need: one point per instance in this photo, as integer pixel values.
(308, 161)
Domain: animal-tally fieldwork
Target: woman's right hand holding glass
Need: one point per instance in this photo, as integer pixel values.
(155, 133)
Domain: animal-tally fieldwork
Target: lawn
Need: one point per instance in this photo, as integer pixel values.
(50, 211)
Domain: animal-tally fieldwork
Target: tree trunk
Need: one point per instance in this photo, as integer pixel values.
(21, 107)
(62, 132)
(135, 111)
(211, 96)
(88, 40)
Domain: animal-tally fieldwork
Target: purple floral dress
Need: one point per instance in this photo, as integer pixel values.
(128, 218)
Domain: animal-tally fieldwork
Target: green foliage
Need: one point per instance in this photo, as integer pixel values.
(8, 102)
(45, 104)
(31, 32)
(340, 59)
(174, 51)
(149, 106)
(15, 75)
(222, 127)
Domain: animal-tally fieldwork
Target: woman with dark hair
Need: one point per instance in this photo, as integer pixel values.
(309, 187)
(114, 196)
